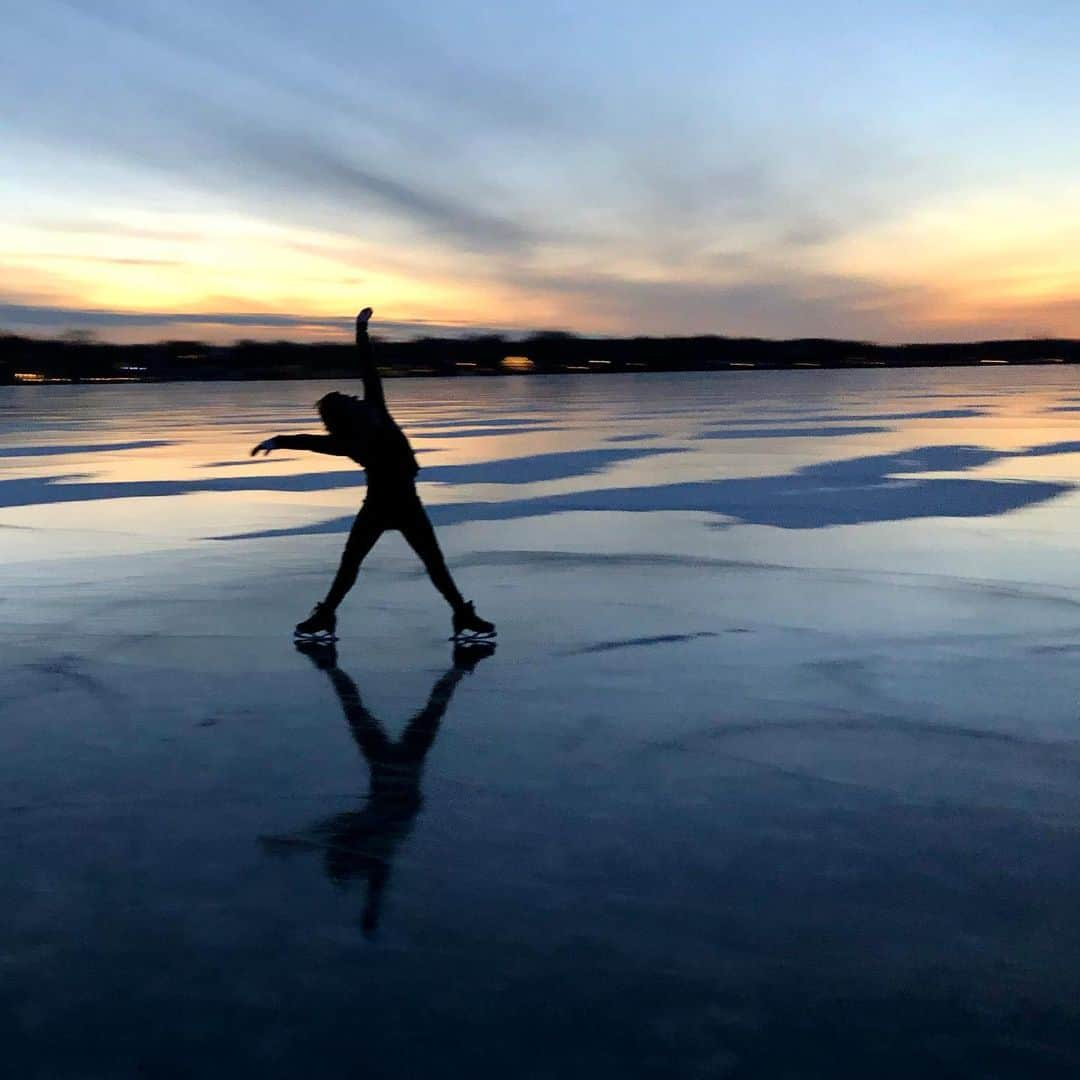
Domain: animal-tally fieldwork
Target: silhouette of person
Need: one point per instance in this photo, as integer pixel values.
(364, 431)
(362, 843)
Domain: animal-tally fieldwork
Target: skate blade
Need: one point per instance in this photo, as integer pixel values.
(467, 636)
(321, 637)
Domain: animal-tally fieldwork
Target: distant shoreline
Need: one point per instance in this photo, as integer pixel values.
(78, 359)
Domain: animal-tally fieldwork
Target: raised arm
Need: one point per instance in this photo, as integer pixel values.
(373, 391)
(319, 444)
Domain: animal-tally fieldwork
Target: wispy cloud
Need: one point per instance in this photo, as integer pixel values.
(764, 303)
(532, 166)
(43, 318)
(289, 161)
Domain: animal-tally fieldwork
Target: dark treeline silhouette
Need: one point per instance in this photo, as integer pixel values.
(76, 358)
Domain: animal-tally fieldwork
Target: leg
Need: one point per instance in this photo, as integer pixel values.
(420, 733)
(366, 529)
(420, 536)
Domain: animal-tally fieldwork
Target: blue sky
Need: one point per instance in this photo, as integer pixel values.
(908, 172)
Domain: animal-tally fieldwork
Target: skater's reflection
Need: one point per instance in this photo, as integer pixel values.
(361, 843)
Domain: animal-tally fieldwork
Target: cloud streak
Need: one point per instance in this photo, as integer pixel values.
(33, 317)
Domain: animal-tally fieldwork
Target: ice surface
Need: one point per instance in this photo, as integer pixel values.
(775, 770)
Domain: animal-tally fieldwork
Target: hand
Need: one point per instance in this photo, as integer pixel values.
(363, 316)
(265, 446)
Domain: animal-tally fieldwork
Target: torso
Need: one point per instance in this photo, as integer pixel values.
(384, 451)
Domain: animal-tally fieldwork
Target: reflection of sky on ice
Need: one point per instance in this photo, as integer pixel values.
(557, 436)
(137, 468)
(144, 467)
(787, 709)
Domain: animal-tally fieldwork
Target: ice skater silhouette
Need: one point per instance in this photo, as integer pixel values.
(365, 431)
(362, 843)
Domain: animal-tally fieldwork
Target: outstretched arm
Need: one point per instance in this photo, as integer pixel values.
(319, 444)
(373, 390)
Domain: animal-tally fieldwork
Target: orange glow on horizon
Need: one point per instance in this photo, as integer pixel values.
(999, 264)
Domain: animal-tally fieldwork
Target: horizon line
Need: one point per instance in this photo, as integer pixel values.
(45, 323)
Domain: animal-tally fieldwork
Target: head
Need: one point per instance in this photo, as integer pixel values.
(339, 412)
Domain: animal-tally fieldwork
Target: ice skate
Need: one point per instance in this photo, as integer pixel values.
(320, 626)
(467, 654)
(468, 626)
(323, 654)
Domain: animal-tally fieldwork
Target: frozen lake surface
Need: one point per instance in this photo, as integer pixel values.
(774, 773)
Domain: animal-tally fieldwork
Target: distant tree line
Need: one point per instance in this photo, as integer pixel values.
(78, 358)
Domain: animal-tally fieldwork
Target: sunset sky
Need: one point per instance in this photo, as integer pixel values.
(887, 171)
